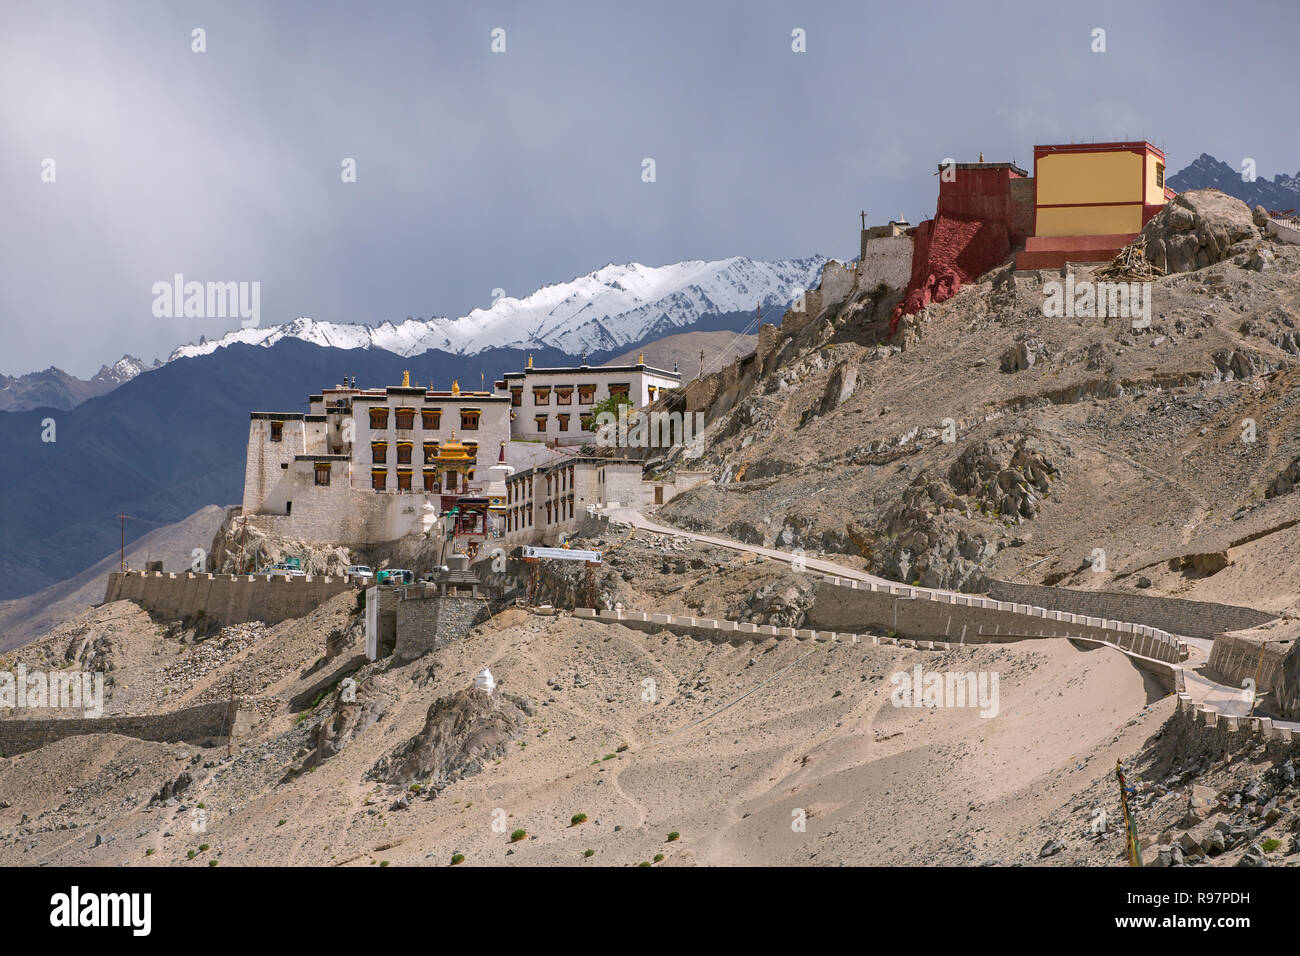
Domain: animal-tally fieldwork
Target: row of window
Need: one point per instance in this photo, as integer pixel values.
(521, 516)
(430, 418)
(564, 393)
(563, 420)
(450, 483)
(379, 452)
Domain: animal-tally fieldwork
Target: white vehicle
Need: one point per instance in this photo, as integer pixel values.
(282, 570)
(361, 572)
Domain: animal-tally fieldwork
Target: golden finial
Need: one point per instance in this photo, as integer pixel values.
(455, 386)
(530, 359)
(406, 380)
(640, 358)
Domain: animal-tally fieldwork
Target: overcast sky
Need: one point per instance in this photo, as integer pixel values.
(478, 170)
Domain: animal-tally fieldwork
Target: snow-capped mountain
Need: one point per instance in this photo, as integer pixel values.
(614, 306)
(55, 388)
(121, 371)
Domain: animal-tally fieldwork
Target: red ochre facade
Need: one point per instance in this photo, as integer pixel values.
(987, 209)
(979, 217)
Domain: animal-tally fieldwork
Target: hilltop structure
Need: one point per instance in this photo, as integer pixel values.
(1084, 203)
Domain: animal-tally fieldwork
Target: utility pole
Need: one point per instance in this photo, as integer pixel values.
(122, 557)
(701, 375)
(863, 214)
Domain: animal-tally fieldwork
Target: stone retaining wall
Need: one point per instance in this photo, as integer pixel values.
(230, 598)
(200, 723)
(1188, 618)
(969, 618)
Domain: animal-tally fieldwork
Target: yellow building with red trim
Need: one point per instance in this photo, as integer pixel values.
(1091, 200)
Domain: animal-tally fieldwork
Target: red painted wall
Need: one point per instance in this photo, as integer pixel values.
(972, 232)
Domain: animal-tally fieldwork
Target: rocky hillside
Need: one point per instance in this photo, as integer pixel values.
(989, 440)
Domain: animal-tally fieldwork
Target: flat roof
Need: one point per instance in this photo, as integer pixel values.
(580, 369)
(1137, 146)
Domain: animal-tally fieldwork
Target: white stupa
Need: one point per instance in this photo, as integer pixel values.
(485, 681)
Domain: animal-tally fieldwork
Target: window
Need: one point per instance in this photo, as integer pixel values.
(471, 449)
(430, 479)
(431, 418)
(654, 392)
(588, 422)
(469, 419)
(564, 395)
(430, 452)
(622, 388)
(323, 475)
(405, 418)
(564, 422)
(379, 452)
(586, 394)
(378, 478)
(277, 431)
(404, 480)
(404, 453)
(541, 396)
(379, 418)
(516, 396)
(1160, 175)
(541, 422)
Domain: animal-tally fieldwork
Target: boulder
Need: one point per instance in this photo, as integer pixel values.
(1197, 229)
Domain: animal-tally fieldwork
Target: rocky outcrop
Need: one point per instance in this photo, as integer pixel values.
(236, 550)
(461, 733)
(355, 708)
(1286, 482)
(778, 604)
(934, 534)
(1197, 229)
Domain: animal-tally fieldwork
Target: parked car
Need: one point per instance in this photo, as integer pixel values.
(361, 572)
(395, 576)
(282, 570)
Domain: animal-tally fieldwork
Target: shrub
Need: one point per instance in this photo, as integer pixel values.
(659, 857)
(212, 862)
(457, 859)
(149, 852)
(190, 855)
(203, 847)
(588, 852)
(1269, 845)
(518, 835)
(382, 864)
(282, 822)
(577, 818)
(644, 863)
(674, 836)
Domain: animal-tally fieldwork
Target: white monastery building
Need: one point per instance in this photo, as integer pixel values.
(367, 466)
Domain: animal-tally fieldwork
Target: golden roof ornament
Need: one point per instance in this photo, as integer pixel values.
(640, 358)
(530, 359)
(455, 390)
(406, 380)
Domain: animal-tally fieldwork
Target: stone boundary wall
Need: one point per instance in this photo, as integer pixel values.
(1210, 717)
(1285, 230)
(1188, 618)
(721, 630)
(1235, 659)
(230, 598)
(204, 721)
(969, 618)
